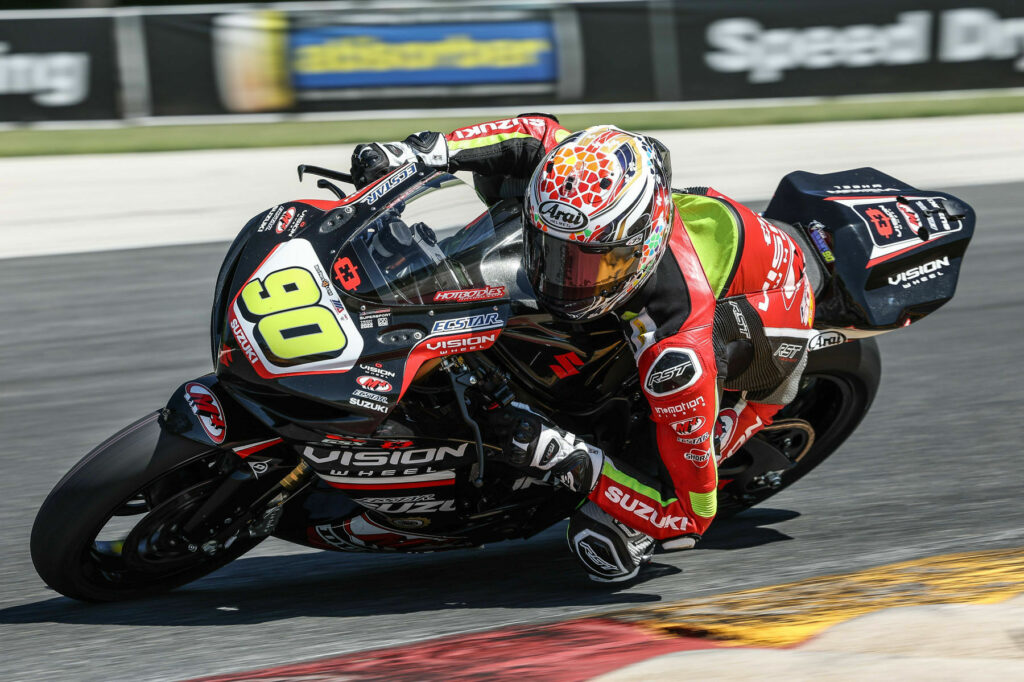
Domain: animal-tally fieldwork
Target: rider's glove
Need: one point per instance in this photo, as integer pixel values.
(377, 159)
(552, 454)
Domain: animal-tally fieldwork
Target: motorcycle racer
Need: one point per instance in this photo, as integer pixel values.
(711, 296)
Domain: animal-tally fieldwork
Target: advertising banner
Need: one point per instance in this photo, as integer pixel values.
(737, 50)
(58, 69)
(272, 60)
(213, 60)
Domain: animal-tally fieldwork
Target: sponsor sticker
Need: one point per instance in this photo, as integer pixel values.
(819, 241)
(416, 504)
(641, 509)
(562, 216)
(688, 427)
(285, 220)
(389, 183)
(694, 441)
(700, 458)
(374, 384)
(741, 320)
(347, 274)
(468, 295)
(919, 273)
(377, 369)
(674, 370)
(367, 404)
(385, 457)
(270, 218)
(375, 318)
(825, 339)
(206, 407)
(727, 419)
(492, 127)
(788, 351)
(465, 324)
(682, 408)
(462, 344)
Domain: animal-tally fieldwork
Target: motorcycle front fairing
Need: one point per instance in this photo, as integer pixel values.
(320, 325)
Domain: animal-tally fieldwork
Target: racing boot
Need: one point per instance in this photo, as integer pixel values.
(610, 551)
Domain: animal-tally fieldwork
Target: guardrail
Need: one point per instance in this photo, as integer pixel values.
(134, 63)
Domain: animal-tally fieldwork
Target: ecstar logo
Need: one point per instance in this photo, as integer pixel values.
(465, 324)
(388, 184)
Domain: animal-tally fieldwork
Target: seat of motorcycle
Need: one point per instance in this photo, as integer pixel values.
(815, 274)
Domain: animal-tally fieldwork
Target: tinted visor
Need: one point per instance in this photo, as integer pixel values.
(567, 271)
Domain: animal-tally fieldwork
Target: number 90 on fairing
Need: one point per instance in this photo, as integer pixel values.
(290, 325)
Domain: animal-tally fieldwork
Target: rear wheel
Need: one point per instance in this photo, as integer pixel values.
(836, 391)
(112, 527)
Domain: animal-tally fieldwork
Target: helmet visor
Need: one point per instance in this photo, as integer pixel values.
(576, 272)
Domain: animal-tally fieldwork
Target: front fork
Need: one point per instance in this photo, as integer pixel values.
(258, 517)
(203, 411)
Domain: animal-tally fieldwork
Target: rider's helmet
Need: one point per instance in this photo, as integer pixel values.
(598, 215)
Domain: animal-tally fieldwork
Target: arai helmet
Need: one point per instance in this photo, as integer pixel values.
(598, 215)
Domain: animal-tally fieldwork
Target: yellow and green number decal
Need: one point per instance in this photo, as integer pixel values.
(291, 326)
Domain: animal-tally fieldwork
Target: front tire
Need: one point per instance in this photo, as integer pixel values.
(106, 531)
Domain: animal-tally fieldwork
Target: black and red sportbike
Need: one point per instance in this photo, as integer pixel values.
(360, 344)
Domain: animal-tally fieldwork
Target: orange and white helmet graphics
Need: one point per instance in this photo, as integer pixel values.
(599, 211)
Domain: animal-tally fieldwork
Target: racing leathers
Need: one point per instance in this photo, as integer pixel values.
(728, 309)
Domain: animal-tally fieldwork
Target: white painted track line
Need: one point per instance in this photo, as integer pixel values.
(70, 204)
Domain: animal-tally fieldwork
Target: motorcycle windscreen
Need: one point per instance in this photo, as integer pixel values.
(428, 241)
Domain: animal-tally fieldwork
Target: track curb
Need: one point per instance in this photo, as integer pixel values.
(777, 617)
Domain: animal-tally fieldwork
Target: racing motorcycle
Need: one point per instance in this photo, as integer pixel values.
(360, 343)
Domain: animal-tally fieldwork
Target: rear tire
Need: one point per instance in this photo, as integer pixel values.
(836, 391)
(141, 477)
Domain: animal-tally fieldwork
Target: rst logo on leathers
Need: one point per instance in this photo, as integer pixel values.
(674, 370)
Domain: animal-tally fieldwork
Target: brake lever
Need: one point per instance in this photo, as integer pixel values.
(323, 172)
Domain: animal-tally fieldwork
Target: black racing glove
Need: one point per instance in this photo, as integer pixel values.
(376, 159)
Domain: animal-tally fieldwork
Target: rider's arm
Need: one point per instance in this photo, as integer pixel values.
(507, 147)
(679, 379)
(511, 146)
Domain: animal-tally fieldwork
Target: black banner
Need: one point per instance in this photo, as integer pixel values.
(59, 69)
(730, 49)
(274, 59)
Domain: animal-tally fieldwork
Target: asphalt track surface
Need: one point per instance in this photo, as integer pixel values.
(89, 342)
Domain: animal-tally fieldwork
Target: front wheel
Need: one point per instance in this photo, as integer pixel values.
(110, 529)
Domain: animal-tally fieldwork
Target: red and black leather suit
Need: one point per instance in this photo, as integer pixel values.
(728, 309)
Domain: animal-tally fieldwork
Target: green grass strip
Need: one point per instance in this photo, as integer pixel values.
(29, 142)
